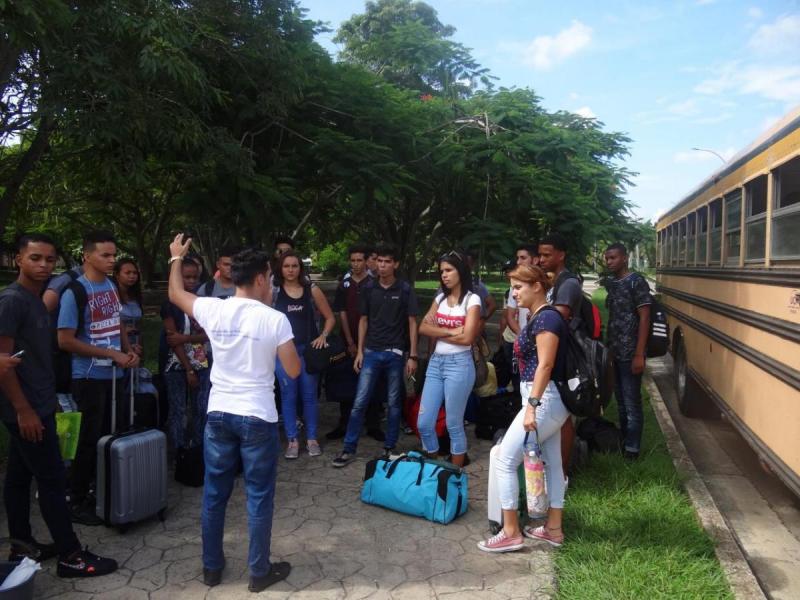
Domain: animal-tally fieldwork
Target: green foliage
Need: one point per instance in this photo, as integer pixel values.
(333, 259)
(227, 119)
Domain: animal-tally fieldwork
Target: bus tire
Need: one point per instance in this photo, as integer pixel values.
(688, 392)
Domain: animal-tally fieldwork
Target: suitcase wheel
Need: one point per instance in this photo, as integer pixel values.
(162, 515)
(495, 527)
(123, 529)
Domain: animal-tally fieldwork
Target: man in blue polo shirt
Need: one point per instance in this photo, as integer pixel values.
(387, 342)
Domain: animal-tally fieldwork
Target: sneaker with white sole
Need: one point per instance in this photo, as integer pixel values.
(292, 450)
(502, 543)
(343, 459)
(313, 448)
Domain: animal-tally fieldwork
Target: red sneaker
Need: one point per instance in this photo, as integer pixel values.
(502, 543)
(544, 533)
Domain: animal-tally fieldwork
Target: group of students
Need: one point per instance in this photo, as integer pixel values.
(254, 320)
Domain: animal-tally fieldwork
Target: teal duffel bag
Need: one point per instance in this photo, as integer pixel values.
(415, 485)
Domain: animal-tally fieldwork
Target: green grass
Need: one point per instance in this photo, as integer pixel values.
(631, 530)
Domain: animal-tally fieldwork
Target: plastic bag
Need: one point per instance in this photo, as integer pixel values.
(21, 573)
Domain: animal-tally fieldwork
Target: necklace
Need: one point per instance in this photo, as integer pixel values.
(538, 309)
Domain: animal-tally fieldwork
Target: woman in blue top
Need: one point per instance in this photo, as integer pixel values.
(129, 285)
(297, 298)
(540, 352)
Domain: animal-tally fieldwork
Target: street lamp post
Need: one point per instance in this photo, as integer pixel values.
(717, 154)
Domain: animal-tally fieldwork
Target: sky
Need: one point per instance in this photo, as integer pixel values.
(673, 75)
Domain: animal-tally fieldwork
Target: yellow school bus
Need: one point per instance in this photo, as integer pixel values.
(728, 271)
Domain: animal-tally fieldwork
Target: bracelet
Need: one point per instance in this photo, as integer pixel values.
(173, 259)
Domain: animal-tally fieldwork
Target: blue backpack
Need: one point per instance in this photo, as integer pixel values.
(418, 486)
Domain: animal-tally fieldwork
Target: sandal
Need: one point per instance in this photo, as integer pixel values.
(543, 533)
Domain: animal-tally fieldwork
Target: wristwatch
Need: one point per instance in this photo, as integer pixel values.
(534, 402)
(414, 358)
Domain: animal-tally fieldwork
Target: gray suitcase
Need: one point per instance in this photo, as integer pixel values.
(131, 472)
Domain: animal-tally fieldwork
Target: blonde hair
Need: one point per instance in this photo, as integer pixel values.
(530, 275)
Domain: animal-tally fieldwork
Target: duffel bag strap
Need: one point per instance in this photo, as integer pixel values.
(393, 465)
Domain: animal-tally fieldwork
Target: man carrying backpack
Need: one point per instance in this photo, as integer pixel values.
(90, 328)
(566, 296)
(629, 303)
(221, 285)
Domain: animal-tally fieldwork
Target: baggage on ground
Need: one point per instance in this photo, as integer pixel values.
(418, 486)
(131, 472)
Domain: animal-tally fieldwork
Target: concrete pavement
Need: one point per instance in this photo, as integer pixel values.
(338, 546)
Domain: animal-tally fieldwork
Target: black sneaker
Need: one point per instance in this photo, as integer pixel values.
(343, 459)
(35, 550)
(386, 454)
(83, 513)
(212, 577)
(83, 563)
(376, 434)
(630, 456)
(278, 572)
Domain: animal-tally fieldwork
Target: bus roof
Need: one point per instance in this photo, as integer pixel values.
(786, 125)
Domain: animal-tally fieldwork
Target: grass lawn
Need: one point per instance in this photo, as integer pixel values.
(631, 529)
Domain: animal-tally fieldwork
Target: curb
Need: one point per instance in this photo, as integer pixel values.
(737, 570)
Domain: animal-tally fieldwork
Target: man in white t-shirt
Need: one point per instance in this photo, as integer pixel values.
(246, 336)
(517, 317)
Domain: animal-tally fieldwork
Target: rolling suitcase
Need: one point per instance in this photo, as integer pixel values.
(131, 472)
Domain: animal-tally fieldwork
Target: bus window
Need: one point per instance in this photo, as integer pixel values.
(690, 239)
(733, 227)
(702, 235)
(682, 241)
(673, 235)
(786, 216)
(755, 229)
(659, 250)
(716, 232)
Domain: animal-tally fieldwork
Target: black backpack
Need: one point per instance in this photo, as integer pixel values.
(589, 375)
(588, 317)
(601, 435)
(62, 360)
(658, 338)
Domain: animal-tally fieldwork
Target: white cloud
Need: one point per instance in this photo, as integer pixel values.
(546, 51)
(585, 112)
(771, 81)
(780, 38)
(754, 12)
(684, 109)
(574, 95)
(704, 2)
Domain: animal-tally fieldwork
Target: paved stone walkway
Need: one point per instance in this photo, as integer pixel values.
(338, 546)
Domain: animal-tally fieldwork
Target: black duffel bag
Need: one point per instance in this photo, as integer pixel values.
(319, 359)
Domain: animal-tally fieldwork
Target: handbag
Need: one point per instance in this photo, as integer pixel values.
(190, 466)
(319, 359)
(414, 485)
(535, 491)
(481, 368)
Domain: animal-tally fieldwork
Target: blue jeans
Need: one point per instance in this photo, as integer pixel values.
(175, 382)
(229, 437)
(628, 391)
(449, 379)
(376, 362)
(303, 386)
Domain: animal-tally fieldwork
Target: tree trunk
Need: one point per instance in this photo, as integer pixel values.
(26, 164)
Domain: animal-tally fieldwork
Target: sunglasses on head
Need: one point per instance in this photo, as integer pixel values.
(450, 254)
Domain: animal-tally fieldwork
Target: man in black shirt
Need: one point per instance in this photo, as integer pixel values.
(628, 304)
(387, 330)
(27, 408)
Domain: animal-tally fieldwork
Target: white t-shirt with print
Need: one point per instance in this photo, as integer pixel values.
(453, 317)
(244, 335)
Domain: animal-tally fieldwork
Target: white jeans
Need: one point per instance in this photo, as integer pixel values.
(550, 416)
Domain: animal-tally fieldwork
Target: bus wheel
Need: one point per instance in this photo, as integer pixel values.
(692, 401)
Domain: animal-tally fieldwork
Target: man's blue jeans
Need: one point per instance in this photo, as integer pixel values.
(628, 391)
(376, 362)
(228, 437)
